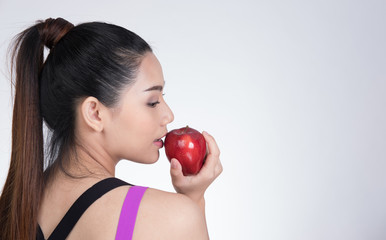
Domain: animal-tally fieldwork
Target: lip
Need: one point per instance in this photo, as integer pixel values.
(164, 135)
(161, 137)
(159, 142)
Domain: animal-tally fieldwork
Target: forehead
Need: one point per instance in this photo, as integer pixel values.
(149, 73)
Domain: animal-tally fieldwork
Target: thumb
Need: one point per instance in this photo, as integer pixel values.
(175, 169)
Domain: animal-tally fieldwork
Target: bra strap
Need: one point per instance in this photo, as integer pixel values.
(129, 213)
(81, 204)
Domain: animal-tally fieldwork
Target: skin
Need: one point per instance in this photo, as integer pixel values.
(128, 131)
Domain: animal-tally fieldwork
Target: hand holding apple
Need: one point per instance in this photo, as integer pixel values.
(194, 186)
(188, 146)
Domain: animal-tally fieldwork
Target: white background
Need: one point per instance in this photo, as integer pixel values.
(293, 91)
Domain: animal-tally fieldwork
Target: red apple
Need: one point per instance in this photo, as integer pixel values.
(188, 146)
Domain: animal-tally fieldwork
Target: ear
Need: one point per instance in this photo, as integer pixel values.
(93, 113)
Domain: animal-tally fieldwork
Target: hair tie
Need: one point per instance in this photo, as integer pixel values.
(52, 30)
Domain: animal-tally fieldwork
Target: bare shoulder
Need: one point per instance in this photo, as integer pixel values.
(165, 215)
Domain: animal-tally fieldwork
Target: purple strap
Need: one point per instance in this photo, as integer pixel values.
(129, 213)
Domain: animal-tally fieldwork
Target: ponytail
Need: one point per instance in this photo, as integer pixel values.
(22, 192)
(92, 59)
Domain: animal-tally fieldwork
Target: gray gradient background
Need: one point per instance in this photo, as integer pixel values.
(293, 91)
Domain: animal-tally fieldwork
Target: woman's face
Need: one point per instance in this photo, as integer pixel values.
(141, 117)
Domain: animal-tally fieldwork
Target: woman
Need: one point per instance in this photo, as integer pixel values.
(99, 92)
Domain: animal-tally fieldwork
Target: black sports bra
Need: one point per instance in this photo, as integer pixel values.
(80, 206)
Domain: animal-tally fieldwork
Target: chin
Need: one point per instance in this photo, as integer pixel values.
(153, 158)
(149, 158)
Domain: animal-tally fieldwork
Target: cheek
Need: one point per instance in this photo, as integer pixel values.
(132, 137)
(142, 128)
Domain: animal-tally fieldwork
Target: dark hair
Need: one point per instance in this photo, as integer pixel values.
(91, 59)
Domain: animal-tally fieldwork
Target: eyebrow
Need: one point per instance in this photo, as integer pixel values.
(155, 88)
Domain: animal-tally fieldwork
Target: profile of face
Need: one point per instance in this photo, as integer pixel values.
(141, 117)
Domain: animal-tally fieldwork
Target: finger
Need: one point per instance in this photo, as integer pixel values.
(219, 168)
(175, 170)
(213, 151)
(212, 160)
(212, 145)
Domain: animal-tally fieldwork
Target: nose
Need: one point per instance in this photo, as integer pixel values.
(169, 116)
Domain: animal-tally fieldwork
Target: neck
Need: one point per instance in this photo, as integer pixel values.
(90, 164)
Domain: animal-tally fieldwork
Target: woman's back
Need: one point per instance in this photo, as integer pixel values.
(97, 221)
(161, 215)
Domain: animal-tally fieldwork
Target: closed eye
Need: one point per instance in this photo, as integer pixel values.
(153, 104)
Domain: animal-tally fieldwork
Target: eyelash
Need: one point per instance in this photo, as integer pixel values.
(154, 104)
